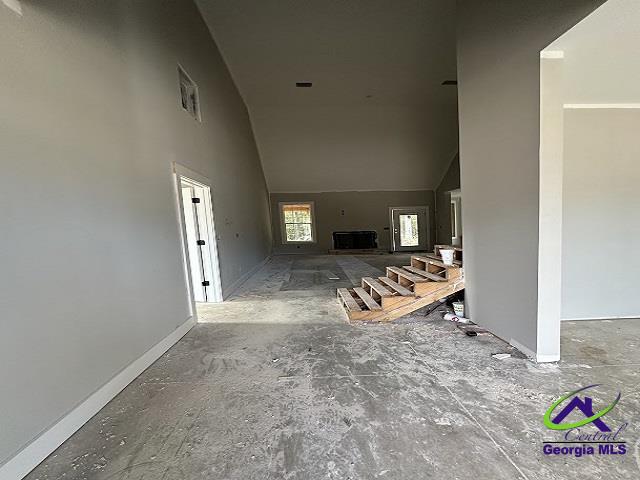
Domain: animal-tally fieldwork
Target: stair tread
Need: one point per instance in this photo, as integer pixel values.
(433, 261)
(349, 301)
(437, 258)
(405, 292)
(378, 287)
(429, 275)
(408, 275)
(367, 299)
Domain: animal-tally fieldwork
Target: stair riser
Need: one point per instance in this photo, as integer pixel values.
(422, 289)
(361, 316)
(405, 282)
(394, 302)
(419, 302)
(450, 273)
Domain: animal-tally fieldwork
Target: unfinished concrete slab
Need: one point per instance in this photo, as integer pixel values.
(281, 398)
(298, 289)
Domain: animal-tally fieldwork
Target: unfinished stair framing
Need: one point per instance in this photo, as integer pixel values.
(404, 289)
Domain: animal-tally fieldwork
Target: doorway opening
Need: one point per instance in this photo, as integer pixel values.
(200, 248)
(589, 147)
(409, 229)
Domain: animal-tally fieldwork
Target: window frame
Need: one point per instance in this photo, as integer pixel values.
(283, 225)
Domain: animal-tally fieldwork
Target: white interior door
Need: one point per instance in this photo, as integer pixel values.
(192, 227)
(200, 241)
(409, 228)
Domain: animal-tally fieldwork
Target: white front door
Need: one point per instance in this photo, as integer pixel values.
(409, 228)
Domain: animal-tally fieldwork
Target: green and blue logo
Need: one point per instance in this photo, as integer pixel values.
(583, 405)
(579, 439)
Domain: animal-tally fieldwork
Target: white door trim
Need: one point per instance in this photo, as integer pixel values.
(183, 173)
(427, 226)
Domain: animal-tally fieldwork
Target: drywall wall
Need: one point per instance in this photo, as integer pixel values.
(347, 148)
(601, 253)
(450, 181)
(499, 44)
(362, 211)
(90, 248)
(600, 53)
(550, 207)
(599, 69)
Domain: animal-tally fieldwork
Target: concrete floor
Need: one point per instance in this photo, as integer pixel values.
(279, 386)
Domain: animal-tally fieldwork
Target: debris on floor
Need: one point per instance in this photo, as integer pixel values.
(454, 318)
(471, 327)
(501, 356)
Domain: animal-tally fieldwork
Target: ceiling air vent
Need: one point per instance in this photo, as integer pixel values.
(304, 84)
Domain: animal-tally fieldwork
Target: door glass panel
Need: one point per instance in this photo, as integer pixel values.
(409, 230)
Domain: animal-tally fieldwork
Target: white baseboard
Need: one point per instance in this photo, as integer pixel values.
(630, 317)
(547, 358)
(528, 352)
(533, 355)
(40, 448)
(231, 289)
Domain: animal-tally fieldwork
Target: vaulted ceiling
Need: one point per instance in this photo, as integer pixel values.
(376, 117)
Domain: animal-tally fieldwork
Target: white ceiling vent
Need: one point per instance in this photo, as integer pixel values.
(189, 98)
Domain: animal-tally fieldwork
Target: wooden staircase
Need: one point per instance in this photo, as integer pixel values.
(404, 289)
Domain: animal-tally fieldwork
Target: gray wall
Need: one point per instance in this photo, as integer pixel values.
(450, 181)
(90, 248)
(601, 253)
(362, 211)
(373, 147)
(499, 43)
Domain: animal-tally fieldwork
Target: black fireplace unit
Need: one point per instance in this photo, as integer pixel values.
(355, 240)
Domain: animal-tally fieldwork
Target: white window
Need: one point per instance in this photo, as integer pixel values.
(297, 222)
(189, 98)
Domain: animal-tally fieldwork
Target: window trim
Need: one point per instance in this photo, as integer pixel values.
(283, 228)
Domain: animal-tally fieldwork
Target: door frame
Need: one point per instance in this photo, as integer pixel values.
(181, 172)
(427, 226)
